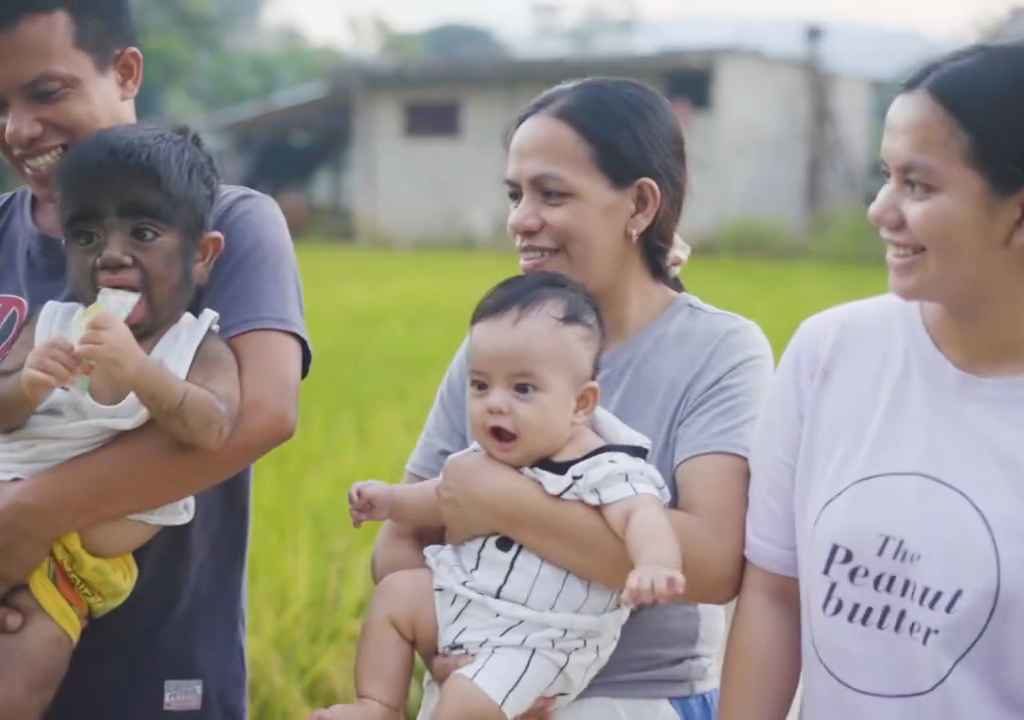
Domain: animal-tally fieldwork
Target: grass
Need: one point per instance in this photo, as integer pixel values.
(384, 326)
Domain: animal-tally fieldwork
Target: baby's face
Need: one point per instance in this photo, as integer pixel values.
(121, 240)
(525, 373)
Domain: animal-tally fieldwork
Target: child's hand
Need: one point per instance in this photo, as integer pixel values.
(369, 500)
(48, 367)
(108, 343)
(653, 584)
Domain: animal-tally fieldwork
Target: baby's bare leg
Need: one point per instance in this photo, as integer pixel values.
(116, 538)
(34, 661)
(401, 619)
(461, 699)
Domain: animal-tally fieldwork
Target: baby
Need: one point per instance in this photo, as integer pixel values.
(533, 629)
(134, 204)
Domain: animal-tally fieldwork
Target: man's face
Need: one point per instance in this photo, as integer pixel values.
(52, 95)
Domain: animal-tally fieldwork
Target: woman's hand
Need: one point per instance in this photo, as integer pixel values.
(473, 486)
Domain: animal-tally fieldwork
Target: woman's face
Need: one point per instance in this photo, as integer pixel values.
(565, 215)
(948, 235)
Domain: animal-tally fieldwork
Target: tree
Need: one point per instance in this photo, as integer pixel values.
(450, 41)
(205, 54)
(460, 42)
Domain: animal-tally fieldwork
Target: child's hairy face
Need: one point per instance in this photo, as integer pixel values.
(125, 236)
(525, 372)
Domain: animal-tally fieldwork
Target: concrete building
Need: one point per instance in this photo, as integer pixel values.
(414, 154)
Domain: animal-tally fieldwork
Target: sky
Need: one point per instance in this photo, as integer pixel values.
(328, 21)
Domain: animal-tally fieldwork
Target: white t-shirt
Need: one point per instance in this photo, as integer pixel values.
(892, 485)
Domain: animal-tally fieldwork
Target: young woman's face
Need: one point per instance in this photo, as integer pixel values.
(948, 235)
(565, 215)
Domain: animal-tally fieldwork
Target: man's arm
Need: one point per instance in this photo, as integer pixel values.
(400, 547)
(87, 490)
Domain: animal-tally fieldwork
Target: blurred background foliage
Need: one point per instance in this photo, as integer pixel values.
(202, 55)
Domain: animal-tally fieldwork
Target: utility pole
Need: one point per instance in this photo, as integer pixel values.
(818, 127)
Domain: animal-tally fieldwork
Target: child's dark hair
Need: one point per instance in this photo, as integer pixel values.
(173, 162)
(102, 27)
(522, 294)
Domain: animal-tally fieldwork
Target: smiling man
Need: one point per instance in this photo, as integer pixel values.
(70, 68)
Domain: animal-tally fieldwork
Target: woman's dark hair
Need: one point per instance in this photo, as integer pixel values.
(982, 88)
(523, 294)
(632, 133)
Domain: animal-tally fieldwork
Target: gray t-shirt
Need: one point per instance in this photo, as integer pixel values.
(178, 642)
(692, 381)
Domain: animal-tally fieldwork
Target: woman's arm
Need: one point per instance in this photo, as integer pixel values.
(480, 496)
(762, 663)
(762, 658)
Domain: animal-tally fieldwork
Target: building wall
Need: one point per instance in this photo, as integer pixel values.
(751, 157)
(410, 190)
(747, 153)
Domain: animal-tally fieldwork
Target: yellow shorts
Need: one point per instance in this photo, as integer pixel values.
(73, 586)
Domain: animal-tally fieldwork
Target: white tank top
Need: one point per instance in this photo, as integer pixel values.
(69, 422)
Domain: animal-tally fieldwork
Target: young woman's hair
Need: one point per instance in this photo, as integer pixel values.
(173, 163)
(982, 88)
(535, 291)
(102, 27)
(633, 133)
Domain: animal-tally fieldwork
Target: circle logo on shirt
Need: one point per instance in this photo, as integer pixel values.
(904, 580)
(13, 314)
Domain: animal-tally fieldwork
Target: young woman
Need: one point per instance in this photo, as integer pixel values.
(596, 177)
(885, 556)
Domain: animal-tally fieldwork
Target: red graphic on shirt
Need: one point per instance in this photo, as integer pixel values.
(13, 314)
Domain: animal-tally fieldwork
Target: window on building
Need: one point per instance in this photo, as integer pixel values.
(689, 85)
(432, 119)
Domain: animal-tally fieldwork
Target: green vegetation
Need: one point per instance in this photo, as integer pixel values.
(202, 55)
(841, 236)
(384, 326)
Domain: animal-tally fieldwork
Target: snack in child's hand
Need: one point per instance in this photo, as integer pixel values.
(114, 300)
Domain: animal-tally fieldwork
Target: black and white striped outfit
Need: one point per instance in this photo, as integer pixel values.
(534, 628)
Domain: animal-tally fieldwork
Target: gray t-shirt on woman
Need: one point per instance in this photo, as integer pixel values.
(692, 381)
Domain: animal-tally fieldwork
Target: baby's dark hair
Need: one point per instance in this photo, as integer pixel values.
(172, 162)
(531, 292)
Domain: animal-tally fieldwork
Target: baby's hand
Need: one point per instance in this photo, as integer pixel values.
(109, 343)
(653, 584)
(369, 500)
(48, 367)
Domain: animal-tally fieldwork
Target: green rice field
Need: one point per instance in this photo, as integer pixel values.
(384, 325)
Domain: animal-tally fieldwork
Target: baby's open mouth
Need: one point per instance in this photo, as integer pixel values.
(502, 435)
